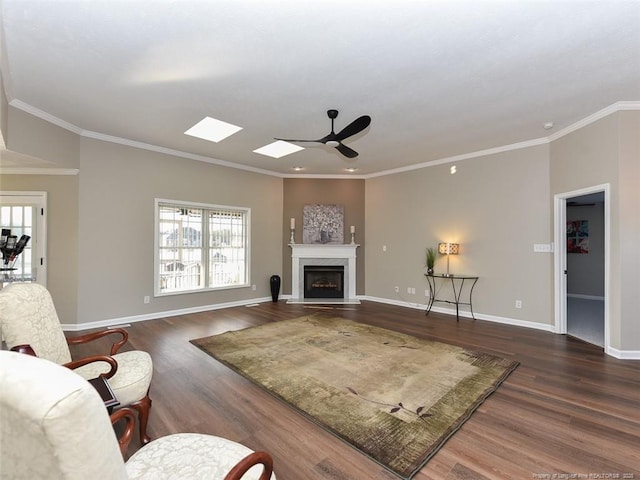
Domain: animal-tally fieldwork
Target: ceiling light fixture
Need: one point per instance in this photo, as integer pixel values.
(351, 169)
(212, 130)
(548, 125)
(453, 170)
(278, 149)
(298, 169)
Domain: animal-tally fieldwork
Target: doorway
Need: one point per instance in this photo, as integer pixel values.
(582, 262)
(25, 213)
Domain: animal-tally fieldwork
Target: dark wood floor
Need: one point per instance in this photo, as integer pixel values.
(567, 409)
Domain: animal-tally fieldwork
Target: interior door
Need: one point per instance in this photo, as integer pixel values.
(566, 294)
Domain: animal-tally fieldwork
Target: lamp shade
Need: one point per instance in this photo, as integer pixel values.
(449, 248)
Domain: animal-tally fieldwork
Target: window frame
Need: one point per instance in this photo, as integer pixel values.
(206, 207)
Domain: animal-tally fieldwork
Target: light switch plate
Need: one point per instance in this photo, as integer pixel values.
(543, 247)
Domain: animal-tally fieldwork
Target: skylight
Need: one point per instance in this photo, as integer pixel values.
(213, 130)
(278, 149)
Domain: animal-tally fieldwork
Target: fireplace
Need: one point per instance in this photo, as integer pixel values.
(326, 256)
(323, 281)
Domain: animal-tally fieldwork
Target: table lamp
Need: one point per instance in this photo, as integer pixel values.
(448, 249)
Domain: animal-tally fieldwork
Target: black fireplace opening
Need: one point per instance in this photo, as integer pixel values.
(323, 281)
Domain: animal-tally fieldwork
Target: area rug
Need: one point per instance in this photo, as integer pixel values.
(394, 397)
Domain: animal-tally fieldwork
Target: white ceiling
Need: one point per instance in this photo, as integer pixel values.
(439, 79)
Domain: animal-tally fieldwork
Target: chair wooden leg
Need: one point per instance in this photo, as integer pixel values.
(143, 406)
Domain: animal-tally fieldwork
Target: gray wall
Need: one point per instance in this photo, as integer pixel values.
(100, 222)
(608, 152)
(299, 192)
(62, 235)
(496, 207)
(30, 135)
(4, 111)
(118, 185)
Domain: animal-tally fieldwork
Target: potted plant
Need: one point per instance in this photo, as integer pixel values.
(430, 259)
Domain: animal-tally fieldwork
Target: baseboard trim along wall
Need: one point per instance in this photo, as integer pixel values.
(465, 314)
(122, 321)
(115, 322)
(624, 354)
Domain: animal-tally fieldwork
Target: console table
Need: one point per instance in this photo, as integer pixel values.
(457, 285)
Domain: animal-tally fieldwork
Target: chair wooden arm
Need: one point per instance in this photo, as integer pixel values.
(130, 423)
(249, 461)
(95, 358)
(26, 349)
(102, 333)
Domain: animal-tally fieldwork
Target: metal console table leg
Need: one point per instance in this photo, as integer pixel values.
(457, 293)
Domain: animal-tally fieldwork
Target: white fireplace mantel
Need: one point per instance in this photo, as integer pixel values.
(328, 254)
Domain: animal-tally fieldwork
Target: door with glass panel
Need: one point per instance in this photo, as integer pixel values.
(22, 215)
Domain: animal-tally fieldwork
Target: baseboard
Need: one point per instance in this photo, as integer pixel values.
(156, 315)
(466, 314)
(624, 354)
(620, 354)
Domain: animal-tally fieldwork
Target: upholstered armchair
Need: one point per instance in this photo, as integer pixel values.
(28, 317)
(54, 425)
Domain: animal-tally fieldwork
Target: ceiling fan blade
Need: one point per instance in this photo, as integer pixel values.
(346, 151)
(354, 127)
(293, 140)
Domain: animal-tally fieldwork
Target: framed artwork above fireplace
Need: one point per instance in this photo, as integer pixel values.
(323, 224)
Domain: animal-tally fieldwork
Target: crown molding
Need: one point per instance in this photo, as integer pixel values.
(47, 117)
(321, 176)
(464, 156)
(616, 107)
(175, 153)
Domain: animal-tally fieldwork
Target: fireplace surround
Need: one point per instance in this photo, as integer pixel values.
(328, 255)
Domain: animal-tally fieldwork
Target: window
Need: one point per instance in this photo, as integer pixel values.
(200, 247)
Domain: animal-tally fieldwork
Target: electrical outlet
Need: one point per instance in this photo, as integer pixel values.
(146, 299)
(518, 303)
(397, 289)
(427, 293)
(253, 287)
(384, 248)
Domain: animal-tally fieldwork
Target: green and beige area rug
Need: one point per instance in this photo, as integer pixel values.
(394, 397)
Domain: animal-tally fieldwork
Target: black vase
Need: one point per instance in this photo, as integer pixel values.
(274, 281)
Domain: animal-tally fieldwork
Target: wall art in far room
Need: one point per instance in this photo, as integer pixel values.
(578, 236)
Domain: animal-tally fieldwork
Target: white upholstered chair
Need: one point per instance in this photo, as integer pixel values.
(53, 425)
(28, 317)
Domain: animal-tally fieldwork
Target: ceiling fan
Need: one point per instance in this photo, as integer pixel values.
(335, 139)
